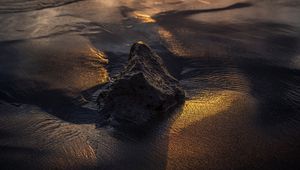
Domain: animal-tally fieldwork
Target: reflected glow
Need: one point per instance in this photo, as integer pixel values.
(204, 2)
(97, 59)
(68, 62)
(173, 44)
(143, 17)
(93, 52)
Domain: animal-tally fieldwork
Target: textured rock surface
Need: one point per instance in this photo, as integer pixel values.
(143, 91)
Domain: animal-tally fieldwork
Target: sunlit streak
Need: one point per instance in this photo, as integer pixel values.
(204, 106)
(144, 17)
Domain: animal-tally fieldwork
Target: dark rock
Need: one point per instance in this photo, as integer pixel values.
(143, 91)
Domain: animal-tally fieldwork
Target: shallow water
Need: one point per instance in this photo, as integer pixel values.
(238, 62)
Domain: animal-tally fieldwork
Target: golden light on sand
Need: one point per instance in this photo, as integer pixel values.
(206, 124)
(209, 104)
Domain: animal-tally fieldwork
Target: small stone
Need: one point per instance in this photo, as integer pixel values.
(143, 91)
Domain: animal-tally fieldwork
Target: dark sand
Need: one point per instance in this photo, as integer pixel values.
(238, 62)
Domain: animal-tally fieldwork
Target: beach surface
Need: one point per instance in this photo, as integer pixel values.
(237, 61)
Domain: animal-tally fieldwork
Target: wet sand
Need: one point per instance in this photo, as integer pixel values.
(238, 62)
